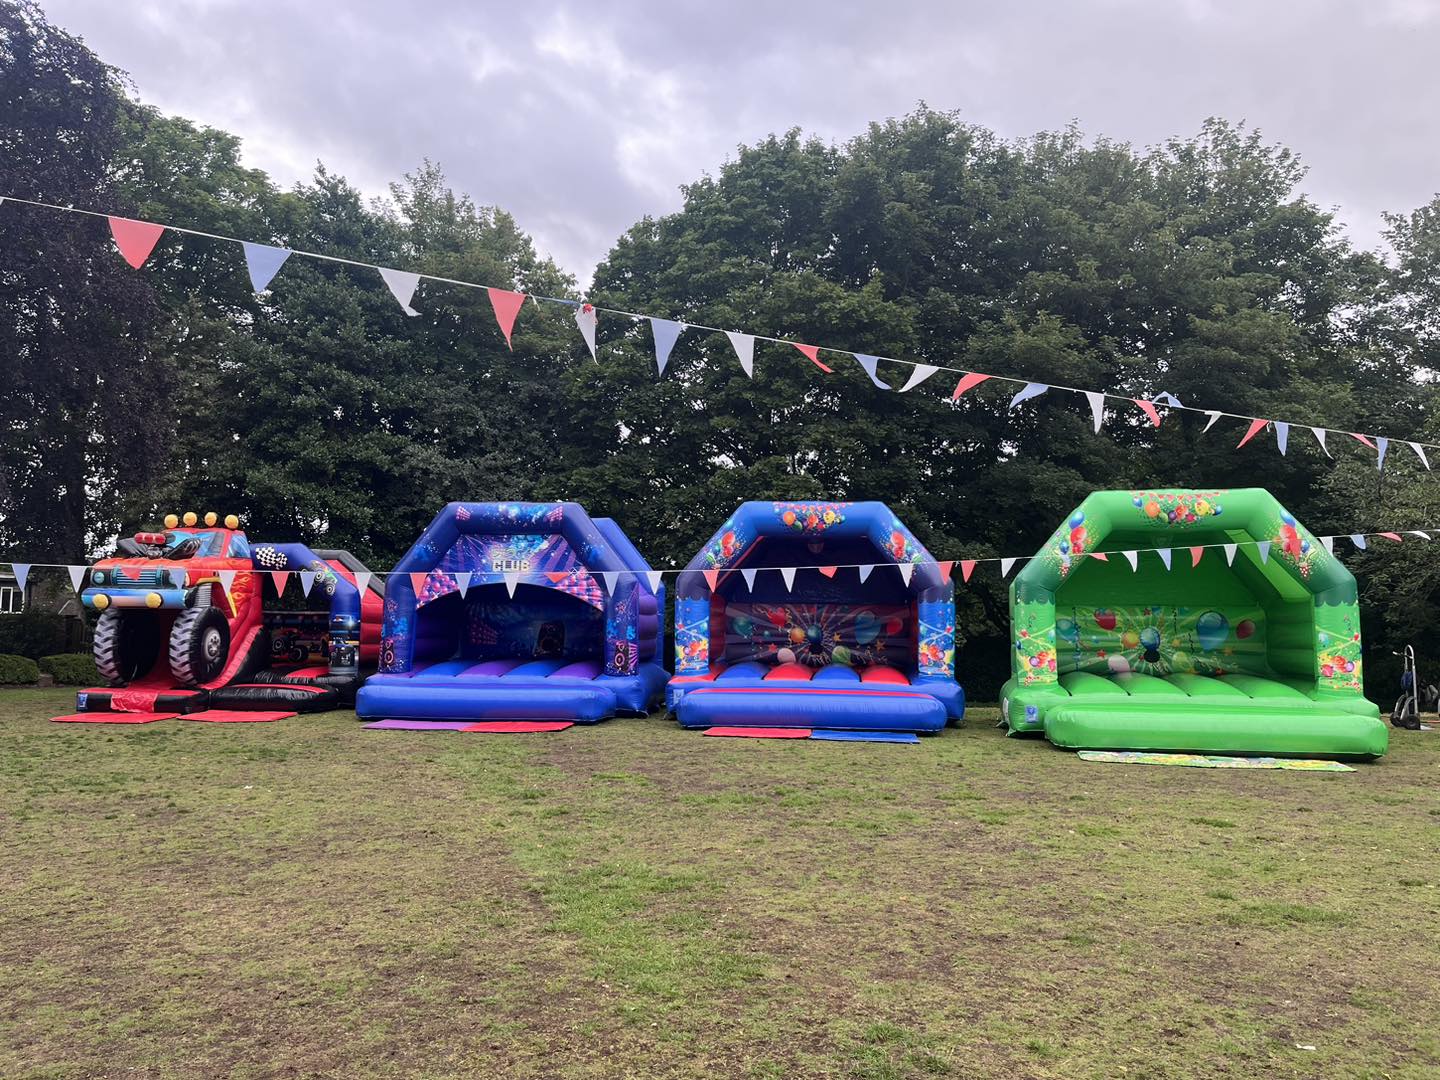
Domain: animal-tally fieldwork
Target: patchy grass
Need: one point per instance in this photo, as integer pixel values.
(309, 898)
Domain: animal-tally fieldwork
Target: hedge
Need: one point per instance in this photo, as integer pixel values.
(18, 670)
(71, 669)
(37, 633)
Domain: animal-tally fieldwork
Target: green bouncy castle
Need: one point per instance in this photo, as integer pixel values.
(1207, 621)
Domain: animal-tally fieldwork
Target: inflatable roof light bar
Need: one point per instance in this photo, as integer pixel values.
(1250, 645)
(861, 636)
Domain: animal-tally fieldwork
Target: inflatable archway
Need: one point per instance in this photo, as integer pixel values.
(815, 615)
(518, 611)
(1239, 632)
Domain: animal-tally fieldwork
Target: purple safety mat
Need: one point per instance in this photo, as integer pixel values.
(419, 725)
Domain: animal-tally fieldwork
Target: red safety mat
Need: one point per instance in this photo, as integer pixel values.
(761, 732)
(113, 717)
(236, 716)
(519, 725)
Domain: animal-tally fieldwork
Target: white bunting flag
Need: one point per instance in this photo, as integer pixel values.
(1417, 532)
(865, 571)
(1097, 406)
(1133, 558)
(1213, 414)
(1329, 543)
(1358, 539)
(21, 570)
(1263, 547)
(610, 577)
(362, 581)
(77, 573)
(1282, 435)
(1382, 444)
(263, 262)
(402, 286)
(1005, 565)
(666, 333)
(1164, 554)
(512, 579)
(307, 581)
(1420, 453)
(749, 576)
(1167, 398)
(788, 573)
(1028, 391)
(907, 570)
(654, 577)
(744, 346)
(1320, 433)
(919, 375)
(462, 582)
(1230, 550)
(868, 363)
(587, 320)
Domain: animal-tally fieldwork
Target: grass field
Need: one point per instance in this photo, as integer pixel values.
(308, 898)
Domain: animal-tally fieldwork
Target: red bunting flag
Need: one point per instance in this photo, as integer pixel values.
(506, 306)
(1148, 408)
(967, 567)
(279, 577)
(556, 576)
(1364, 439)
(135, 239)
(828, 571)
(813, 352)
(417, 581)
(1256, 426)
(1100, 555)
(945, 569)
(1195, 555)
(712, 578)
(1390, 536)
(968, 381)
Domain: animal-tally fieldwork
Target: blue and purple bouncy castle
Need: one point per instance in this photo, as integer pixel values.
(518, 611)
(815, 615)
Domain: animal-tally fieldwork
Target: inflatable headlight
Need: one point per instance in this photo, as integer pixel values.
(98, 577)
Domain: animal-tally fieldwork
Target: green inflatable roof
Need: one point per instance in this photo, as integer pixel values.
(1207, 621)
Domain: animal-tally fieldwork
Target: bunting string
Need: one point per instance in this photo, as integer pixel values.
(136, 241)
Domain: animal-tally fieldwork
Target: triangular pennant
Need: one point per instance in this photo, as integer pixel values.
(587, 320)
(1005, 565)
(919, 375)
(1358, 539)
(21, 570)
(610, 577)
(666, 333)
(654, 578)
(1320, 433)
(1213, 414)
(1256, 426)
(1419, 533)
(744, 346)
(1263, 547)
(945, 568)
(1164, 554)
(1167, 398)
(307, 581)
(868, 363)
(967, 567)
(135, 239)
(512, 580)
(77, 576)
(812, 352)
(749, 576)
(712, 578)
(1030, 390)
(828, 571)
(1329, 543)
(506, 306)
(1230, 550)
(462, 582)
(1133, 558)
(279, 577)
(1420, 453)
(788, 574)
(1196, 554)
(401, 284)
(907, 570)
(1100, 556)
(1148, 408)
(968, 381)
(1362, 439)
(1097, 407)
(263, 262)
(1282, 435)
(1381, 445)
(362, 581)
(1390, 536)
(865, 569)
(417, 582)
(557, 576)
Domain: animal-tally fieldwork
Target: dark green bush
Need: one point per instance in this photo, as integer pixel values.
(35, 634)
(18, 670)
(71, 669)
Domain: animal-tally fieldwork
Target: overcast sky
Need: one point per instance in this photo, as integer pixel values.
(580, 119)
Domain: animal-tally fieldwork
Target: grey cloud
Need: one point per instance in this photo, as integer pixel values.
(580, 120)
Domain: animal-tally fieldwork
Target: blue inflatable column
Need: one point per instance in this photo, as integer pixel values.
(622, 629)
(937, 634)
(692, 636)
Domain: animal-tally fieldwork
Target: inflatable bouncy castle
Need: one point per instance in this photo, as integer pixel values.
(189, 619)
(518, 611)
(815, 615)
(1239, 634)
